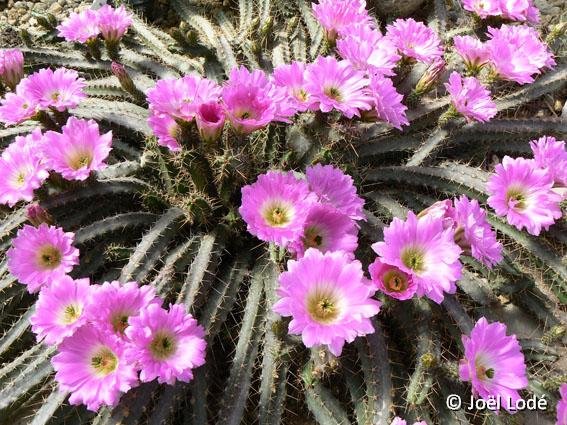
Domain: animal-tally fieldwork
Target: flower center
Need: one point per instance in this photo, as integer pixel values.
(333, 93)
(119, 322)
(413, 258)
(312, 238)
(483, 373)
(517, 196)
(323, 307)
(48, 257)
(301, 94)
(394, 281)
(80, 159)
(104, 362)
(277, 214)
(19, 179)
(55, 96)
(71, 314)
(163, 345)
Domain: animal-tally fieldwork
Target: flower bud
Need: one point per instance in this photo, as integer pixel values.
(37, 215)
(430, 77)
(11, 66)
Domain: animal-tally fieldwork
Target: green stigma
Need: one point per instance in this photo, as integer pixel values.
(48, 257)
(104, 361)
(163, 345)
(413, 258)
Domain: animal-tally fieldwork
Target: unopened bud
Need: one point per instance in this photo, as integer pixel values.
(38, 215)
(11, 66)
(430, 77)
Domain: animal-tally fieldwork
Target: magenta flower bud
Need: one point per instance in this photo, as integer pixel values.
(37, 215)
(210, 119)
(11, 66)
(430, 77)
(125, 80)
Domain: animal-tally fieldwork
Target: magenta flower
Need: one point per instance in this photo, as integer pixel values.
(248, 100)
(91, 366)
(60, 89)
(473, 233)
(210, 121)
(337, 85)
(21, 169)
(329, 299)
(181, 97)
(399, 421)
(166, 345)
(392, 281)
(516, 53)
(78, 149)
(387, 102)
(519, 10)
(11, 66)
(493, 363)
(426, 251)
(551, 154)
(562, 406)
(521, 191)
(335, 188)
(60, 309)
(440, 210)
(483, 8)
(17, 107)
(276, 206)
(415, 40)
(113, 23)
(470, 98)
(114, 303)
(166, 130)
(291, 77)
(367, 49)
(337, 15)
(40, 255)
(475, 53)
(326, 229)
(80, 27)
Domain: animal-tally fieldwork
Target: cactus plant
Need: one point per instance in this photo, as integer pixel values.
(171, 220)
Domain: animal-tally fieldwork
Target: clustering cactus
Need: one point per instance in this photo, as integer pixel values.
(171, 220)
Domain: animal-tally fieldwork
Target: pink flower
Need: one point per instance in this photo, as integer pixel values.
(516, 53)
(291, 77)
(21, 169)
(166, 345)
(329, 299)
(210, 121)
(519, 10)
(60, 309)
(166, 130)
(521, 191)
(78, 149)
(114, 303)
(415, 40)
(551, 154)
(475, 54)
(337, 85)
(337, 15)
(11, 66)
(387, 102)
(473, 233)
(113, 23)
(60, 89)
(367, 49)
(276, 206)
(399, 421)
(248, 101)
(493, 363)
(470, 98)
(326, 229)
(335, 188)
(391, 280)
(80, 27)
(181, 97)
(424, 250)
(40, 255)
(91, 366)
(562, 406)
(17, 107)
(483, 8)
